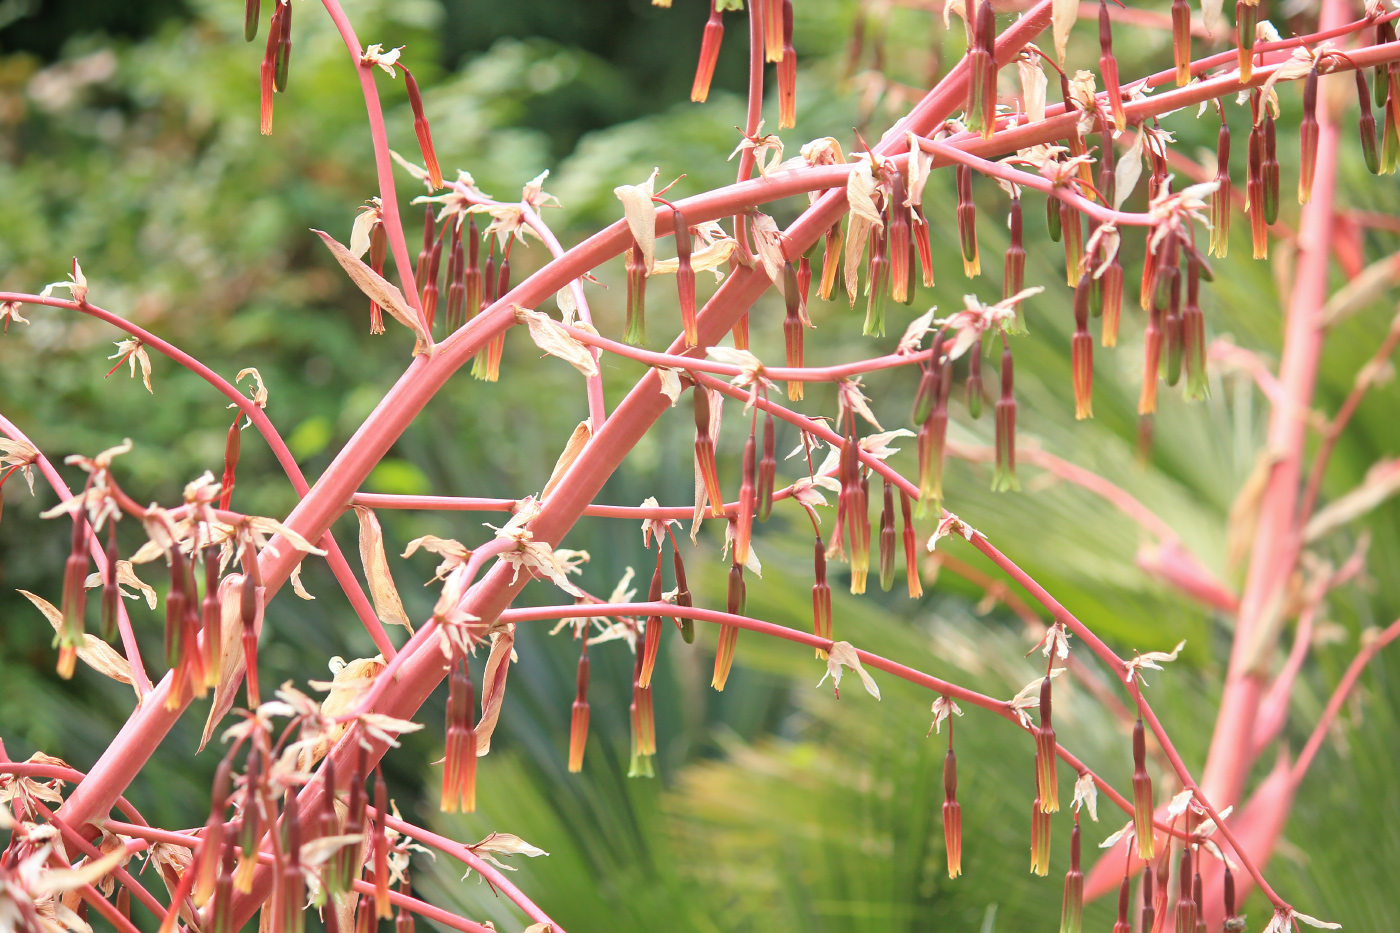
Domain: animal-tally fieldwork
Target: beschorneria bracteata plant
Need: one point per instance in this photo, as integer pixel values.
(291, 816)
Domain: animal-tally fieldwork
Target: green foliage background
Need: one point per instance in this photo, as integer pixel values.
(130, 140)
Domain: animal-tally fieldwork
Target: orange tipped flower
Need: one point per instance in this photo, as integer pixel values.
(729, 634)
(1142, 794)
(420, 127)
(1108, 67)
(967, 222)
(831, 260)
(1040, 840)
(1082, 350)
(952, 810)
(268, 72)
(643, 725)
(705, 451)
(792, 328)
(888, 541)
(685, 278)
(772, 13)
(911, 547)
(1072, 231)
(709, 54)
(459, 769)
(900, 256)
(1152, 342)
(1072, 911)
(767, 469)
(651, 644)
(1307, 135)
(821, 598)
(213, 837)
(1246, 16)
(1181, 41)
(787, 73)
(578, 722)
(211, 619)
(1046, 774)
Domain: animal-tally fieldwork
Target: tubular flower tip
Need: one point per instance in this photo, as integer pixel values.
(459, 767)
(821, 598)
(1072, 911)
(1082, 350)
(911, 547)
(952, 814)
(1046, 774)
(729, 634)
(420, 127)
(1040, 840)
(1004, 476)
(831, 260)
(793, 327)
(1142, 794)
(967, 222)
(709, 54)
(578, 723)
(787, 72)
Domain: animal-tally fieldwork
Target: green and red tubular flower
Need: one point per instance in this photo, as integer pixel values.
(821, 597)
(1072, 911)
(748, 499)
(456, 279)
(1082, 350)
(767, 469)
(420, 127)
(1108, 68)
(1152, 351)
(74, 603)
(974, 387)
(459, 767)
(211, 849)
(787, 72)
(1111, 294)
(981, 62)
(635, 330)
(473, 301)
(1220, 200)
(899, 245)
(735, 603)
(1122, 924)
(643, 725)
(1181, 41)
(283, 32)
(380, 847)
(289, 893)
(1367, 126)
(1004, 476)
(685, 278)
(1142, 794)
(683, 597)
(705, 452)
(911, 547)
(967, 221)
(1193, 333)
(1040, 840)
(251, 10)
(952, 810)
(1014, 280)
(932, 441)
(1246, 17)
(578, 719)
(1073, 230)
(1307, 137)
(1149, 901)
(1046, 775)
(792, 327)
(1185, 901)
(888, 539)
(652, 642)
(831, 260)
(1271, 168)
(709, 54)
(877, 280)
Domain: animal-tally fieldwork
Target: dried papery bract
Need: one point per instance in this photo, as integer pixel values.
(578, 717)
(705, 451)
(967, 221)
(420, 127)
(787, 71)
(729, 634)
(635, 330)
(952, 810)
(1004, 476)
(792, 328)
(459, 767)
(709, 54)
(1108, 69)
(651, 644)
(1142, 794)
(888, 539)
(911, 547)
(1072, 911)
(821, 597)
(1046, 774)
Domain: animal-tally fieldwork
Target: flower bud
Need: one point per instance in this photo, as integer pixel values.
(420, 127)
(748, 500)
(284, 45)
(425, 255)
(1072, 911)
(821, 597)
(1111, 293)
(1368, 125)
(967, 222)
(1307, 136)
(1122, 925)
(251, 823)
(1108, 67)
(767, 469)
(831, 260)
(1173, 334)
(456, 280)
(1193, 336)
(378, 251)
(877, 282)
(1149, 901)
(900, 255)
(213, 837)
(705, 451)
(1004, 477)
(1385, 33)
(787, 70)
(430, 284)
(926, 396)
(1196, 897)
(1160, 894)
(1181, 41)
(459, 768)
(111, 595)
(652, 642)
(974, 387)
(931, 441)
(250, 20)
(495, 350)
(1047, 776)
(911, 547)
(919, 229)
(1271, 169)
(858, 521)
(578, 720)
(346, 861)
(267, 73)
(1220, 200)
(1082, 350)
(709, 54)
(1229, 884)
(1073, 231)
(683, 597)
(635, 330)
(289, 897)
(952, 811)
(729, 634)
(475, 294)
(1052, 217)
(1142, 794)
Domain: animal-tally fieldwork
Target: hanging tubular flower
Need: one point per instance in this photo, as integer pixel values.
(578, 720)
(707, 472)
(821, 596)
(420, 128)
(459, 769)
(735, 604)
(887, 538)
(643, 725)
(1040, 839)
(1082, 350)
(787, 70)
(685, 278)
(1072, 911)
(1047, 777)
(709, 54)
(1108, 68)
(952, 811)
(652, 642)
(1142, 793)
(967, 222)
(911, 547)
